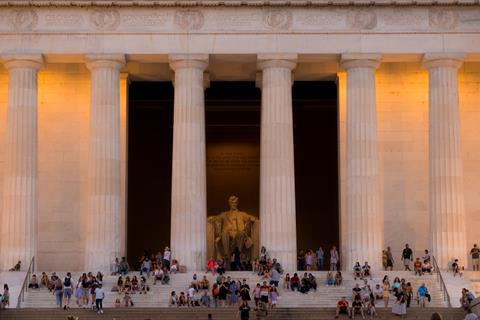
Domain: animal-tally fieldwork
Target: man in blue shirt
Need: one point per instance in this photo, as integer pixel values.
(319, 255)
(422, 295)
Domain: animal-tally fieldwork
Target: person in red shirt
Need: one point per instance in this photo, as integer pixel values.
(295, 282)
(211, 266)
(342, 308)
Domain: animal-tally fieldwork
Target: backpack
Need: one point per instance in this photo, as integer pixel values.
(67, 282)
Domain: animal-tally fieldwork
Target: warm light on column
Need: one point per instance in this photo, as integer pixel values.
(365, 218)
(277, 173)
(189, 188)
(447, 212)
(103, 241)
(18, 226)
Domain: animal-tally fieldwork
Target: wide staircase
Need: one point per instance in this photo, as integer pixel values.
(325, 296)
(309, 313)
(39, 304)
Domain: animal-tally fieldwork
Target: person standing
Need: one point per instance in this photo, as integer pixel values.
(309, 260)
(5, 302)
(319, 255)
(407, 255)
(244, 311)
(334, 258)
(389, 259)
(146, 266)
(167, 255)
(67, 290)
(99, 295)
(58, 292)
(475, 253)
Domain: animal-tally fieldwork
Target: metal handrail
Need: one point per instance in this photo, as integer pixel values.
(26, 282)
(443, 287)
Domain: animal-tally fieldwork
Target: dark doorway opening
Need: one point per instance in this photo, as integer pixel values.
(315, 119)
(233, 145)
(150, 136)
(233, 154)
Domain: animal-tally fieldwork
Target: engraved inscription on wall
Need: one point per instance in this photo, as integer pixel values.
(63, 19)
(232, 161)
(134, 19)
(317, 20)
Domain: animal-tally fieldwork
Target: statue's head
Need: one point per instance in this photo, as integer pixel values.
(233, 202)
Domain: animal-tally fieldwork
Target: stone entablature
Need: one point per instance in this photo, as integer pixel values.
(135, 31)
(265, 20)
(229, 3)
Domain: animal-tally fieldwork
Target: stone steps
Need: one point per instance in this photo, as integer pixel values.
(218, 314)
(158, 296)
(474, 277)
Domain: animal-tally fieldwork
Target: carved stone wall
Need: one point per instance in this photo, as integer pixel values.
(239, 20)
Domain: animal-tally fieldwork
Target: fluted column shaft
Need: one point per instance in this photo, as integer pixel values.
(189, 192)
(277, 175)
(365, 219)
(103, 221)
(447, 213)
(18, 238)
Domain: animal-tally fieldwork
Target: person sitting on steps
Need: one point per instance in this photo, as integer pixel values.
(366, 270)
(342, 308)
(16, 267)
(357, 271)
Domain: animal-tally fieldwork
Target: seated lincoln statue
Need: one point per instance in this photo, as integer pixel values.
(233, 228)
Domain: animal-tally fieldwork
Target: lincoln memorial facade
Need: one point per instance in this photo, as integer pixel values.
(126, 124)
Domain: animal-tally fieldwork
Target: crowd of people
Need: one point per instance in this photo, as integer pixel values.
(88, 291)
(367, 297)
(309, 259)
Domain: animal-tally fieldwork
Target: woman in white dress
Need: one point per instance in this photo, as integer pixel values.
(399, 308)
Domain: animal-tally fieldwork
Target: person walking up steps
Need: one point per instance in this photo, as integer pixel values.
(58, 292)
(67, 291)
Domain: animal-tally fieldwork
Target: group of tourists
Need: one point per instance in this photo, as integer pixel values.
(421, 265)
(365, 298)
(147, 263)
(310, 260)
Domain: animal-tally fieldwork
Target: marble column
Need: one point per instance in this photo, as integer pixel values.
(447, 213)
(189, 191)
(18, 237)
(103, 221)
(365, 218)
(277, 176)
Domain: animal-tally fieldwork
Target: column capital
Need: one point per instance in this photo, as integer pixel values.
(433, 60)
(107, 60)
(277, 60)
(360, 60)
(180, 61)
(22, 60)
